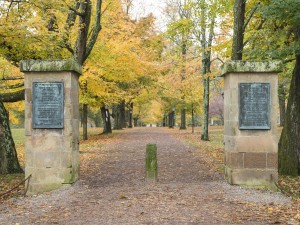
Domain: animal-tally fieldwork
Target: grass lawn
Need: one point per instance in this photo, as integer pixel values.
(18, 135)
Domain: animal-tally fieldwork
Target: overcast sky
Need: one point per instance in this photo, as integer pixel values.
(145, 7)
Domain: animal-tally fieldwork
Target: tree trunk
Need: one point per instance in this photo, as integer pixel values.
(118, 124)
(282, 97)
(130, 115)
(204, 133)
(193, 119)
(8, 155)
(171, 119)
(116, 121)
(135, 121)
(98, 119)
(84, 121)
(183, 77)
(106, 120)
(238, 29)
(82, 40)
(167, 120)
(122, 114)
(13, 96)
(289, 143)
(206, 63)
(183, 120)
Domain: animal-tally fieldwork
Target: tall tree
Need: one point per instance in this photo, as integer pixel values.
(86, 39)
(206, 44)
(204, 28)
(287, 13)
(238, 29)
(179, 31)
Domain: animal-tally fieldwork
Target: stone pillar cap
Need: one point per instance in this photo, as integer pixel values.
(50, 66)
(241, 66)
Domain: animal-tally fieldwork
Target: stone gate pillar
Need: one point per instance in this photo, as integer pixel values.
(250, 122)
(51, 123)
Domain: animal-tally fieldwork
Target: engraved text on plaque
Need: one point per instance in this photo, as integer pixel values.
(254, 106)
(48, 105)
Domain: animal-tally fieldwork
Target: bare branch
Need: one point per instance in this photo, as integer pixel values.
(218, 60)
(289, 60)
(96, 29)
(14, 86)
(253, 10)
(13, 96)
(12, 78)
(257, 28)
(70, 23)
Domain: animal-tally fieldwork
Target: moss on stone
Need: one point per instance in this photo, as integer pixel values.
(50, 66)
(69, 178)
(151, 162)
(251, 66)
(251, 182)
(260, 184)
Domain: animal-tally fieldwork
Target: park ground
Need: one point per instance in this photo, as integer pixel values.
(112, 189)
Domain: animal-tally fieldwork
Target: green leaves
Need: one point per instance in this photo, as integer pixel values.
(283, 10)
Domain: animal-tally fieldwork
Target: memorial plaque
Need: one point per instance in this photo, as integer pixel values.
(254, 100)
(48, 105)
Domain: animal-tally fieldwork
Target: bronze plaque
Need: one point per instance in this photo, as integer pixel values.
(48, 105)
(254, 106)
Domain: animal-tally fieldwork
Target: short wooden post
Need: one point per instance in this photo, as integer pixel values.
(151, 163)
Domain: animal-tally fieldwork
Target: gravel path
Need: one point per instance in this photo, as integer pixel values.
(113, 191)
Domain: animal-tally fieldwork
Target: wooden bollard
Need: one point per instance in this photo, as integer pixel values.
(151, 163)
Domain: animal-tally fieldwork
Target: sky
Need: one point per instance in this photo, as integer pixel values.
(145, 7)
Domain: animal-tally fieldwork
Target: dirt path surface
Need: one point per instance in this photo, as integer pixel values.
(112, 189)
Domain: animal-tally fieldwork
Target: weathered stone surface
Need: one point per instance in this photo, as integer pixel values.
(264, 178)
(52, 154)
(235, 160)
(50, 66)
(272, 161)
(229, 142)
(251, 155)
(28, 95)
(255, 160)
(251, 66)
(255, 144)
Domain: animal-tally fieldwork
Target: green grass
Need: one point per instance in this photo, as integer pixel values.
(91, 132)
(18, 135)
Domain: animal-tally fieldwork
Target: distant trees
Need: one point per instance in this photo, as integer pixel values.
(216, 107)
(199, 26)
(124, 64)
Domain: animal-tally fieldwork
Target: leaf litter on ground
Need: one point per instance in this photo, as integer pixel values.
(289, 186)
